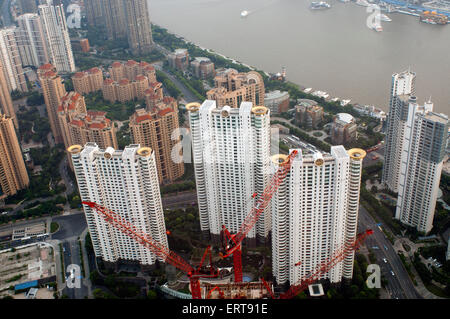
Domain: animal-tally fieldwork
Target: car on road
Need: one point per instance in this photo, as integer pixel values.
(385, 261)
(385, 247)
(392, 273)
(375, 247)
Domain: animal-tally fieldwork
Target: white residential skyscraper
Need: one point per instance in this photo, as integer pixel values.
(32, 43)
(402, 83)
(10, 58)
(315, 213)
(231, 149)
(422, 158)
(125, 182)
(57, 37)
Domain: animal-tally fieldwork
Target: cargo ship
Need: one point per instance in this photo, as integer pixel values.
(432, 17)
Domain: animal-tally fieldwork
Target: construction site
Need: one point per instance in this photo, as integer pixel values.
(26, 266)
(206, 280)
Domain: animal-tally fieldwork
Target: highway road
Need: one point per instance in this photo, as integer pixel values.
(399, 284)
(71, 251)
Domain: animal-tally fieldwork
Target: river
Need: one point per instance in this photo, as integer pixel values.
(331, 50)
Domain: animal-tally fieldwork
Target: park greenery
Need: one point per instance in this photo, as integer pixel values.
(169, 86)
(184, 229)
(45, 183)
(36, 210)
(177, 187)
(116, 111)
(192, 84)
(305, 136)
(172, 42)
(124, 136)
(32, 127)
(357, 289)
(35, 99)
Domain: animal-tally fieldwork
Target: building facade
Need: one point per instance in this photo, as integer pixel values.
(6, 103)
(277, 101)
(32, 43)
(231, 156)
(95, 12)
(13, 173)
(315, 213)
(157, 128)
(71, 105)
(402, 84)
(11, 61)
(57, 37)
(422, 157)
(139, 31)
(179, 59)
(115, 19)
(308, 113)
(125, 182)
(88, 81)
(203, 68)
(344, 129)
(232, 88)
(53, 90)
(92, 126)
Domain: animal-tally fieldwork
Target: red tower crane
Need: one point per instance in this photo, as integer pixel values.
(324, 267)
(233, 242)
(160, 250)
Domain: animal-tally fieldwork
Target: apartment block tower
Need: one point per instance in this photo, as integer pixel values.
(10, 58)
(93, 126)
(231, 156)
(402, 84)
(139, 33)
(6, 103)
(57, 37)
(95, 12)
(53, 90)
(72, 104)
(13, 173)
(315, 212)
(115, 19)
(88, 81)
(157, 127)
(125, 182)
(423, 151)
(32, 43)
(232, 88)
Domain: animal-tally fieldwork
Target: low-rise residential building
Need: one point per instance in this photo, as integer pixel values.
(308, 113)
(88, 81)
(203, 67)
(343, 129)
(179, 59)
(277, 101)
(232, 88)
